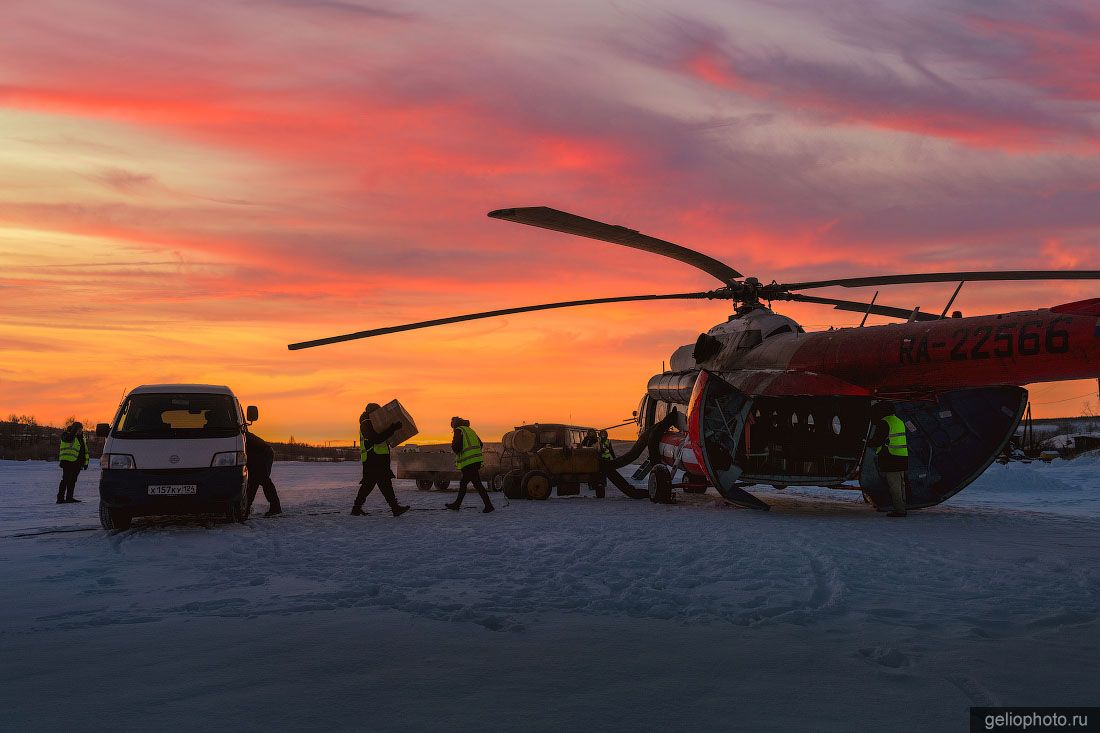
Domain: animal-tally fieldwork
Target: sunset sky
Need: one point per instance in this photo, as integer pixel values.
(187, 187)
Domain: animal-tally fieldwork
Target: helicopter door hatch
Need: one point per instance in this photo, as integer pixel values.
(951, 441)
(716, 421)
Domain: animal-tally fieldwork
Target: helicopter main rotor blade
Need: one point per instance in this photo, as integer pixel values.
(562, 221)
(851, 305)
(942, 277)
(710, 294)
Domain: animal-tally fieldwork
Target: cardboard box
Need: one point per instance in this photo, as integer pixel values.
(390, 413)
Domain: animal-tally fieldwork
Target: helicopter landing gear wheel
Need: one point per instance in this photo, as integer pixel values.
(424, 484)
(660, 485)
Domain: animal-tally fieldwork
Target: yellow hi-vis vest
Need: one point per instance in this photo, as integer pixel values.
(895, 440)
(381, 449)
(605, 449)
(71, 451)
(471, 448)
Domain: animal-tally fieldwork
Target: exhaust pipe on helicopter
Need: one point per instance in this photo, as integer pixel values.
(673, 387)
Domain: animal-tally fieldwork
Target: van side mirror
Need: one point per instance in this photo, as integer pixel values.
(252, 414)
(102, 430)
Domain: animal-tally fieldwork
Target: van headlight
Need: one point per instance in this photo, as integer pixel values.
(229, 458)
(116, 461)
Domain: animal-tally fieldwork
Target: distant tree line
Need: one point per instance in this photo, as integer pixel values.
(292, 450)
(23, 439)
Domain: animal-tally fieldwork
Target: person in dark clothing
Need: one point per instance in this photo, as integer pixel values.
(591, 440)
(468, 460)
(260, 460)
(73, 458)
(600, 441)
(374, 452)
(891, 446)
(607, 453)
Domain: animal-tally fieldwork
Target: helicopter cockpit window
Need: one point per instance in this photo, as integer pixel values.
(749, 339)
(782, 329)
(836, 425)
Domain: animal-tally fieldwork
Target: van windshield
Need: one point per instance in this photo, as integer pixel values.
(178, 416)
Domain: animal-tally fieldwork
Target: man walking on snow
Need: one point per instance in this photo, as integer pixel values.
(468, 459)
(374, 452)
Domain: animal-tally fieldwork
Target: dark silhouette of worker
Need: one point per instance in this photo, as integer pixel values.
(591, 440)
(607, 453)
(601, 442)
(468, 460)
(73, 457)
(260, 460)
(892, 449)
(374, 452)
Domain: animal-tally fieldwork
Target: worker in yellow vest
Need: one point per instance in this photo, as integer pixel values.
(607, 453)
(600, 441)
(374, 453)
(73, 457)
(468, 460)
(892, 451)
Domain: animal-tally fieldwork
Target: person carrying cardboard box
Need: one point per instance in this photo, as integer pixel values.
(374, 452)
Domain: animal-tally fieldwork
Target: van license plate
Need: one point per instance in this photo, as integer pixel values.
(173, 490)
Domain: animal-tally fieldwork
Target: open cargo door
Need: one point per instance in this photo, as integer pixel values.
(716, 420)
(952, 440)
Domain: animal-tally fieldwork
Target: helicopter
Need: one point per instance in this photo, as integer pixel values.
(758, 400)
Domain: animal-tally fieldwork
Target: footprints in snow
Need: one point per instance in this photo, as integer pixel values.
(885, 656)
(826, 594)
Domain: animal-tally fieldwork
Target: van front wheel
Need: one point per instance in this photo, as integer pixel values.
(113, 519)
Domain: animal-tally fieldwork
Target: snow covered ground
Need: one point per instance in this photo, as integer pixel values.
(573, 613)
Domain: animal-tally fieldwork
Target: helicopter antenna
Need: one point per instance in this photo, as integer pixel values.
(914, 314)
(953, 296)
(869, 307)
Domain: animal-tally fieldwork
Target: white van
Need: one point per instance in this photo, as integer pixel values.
(174, 449)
